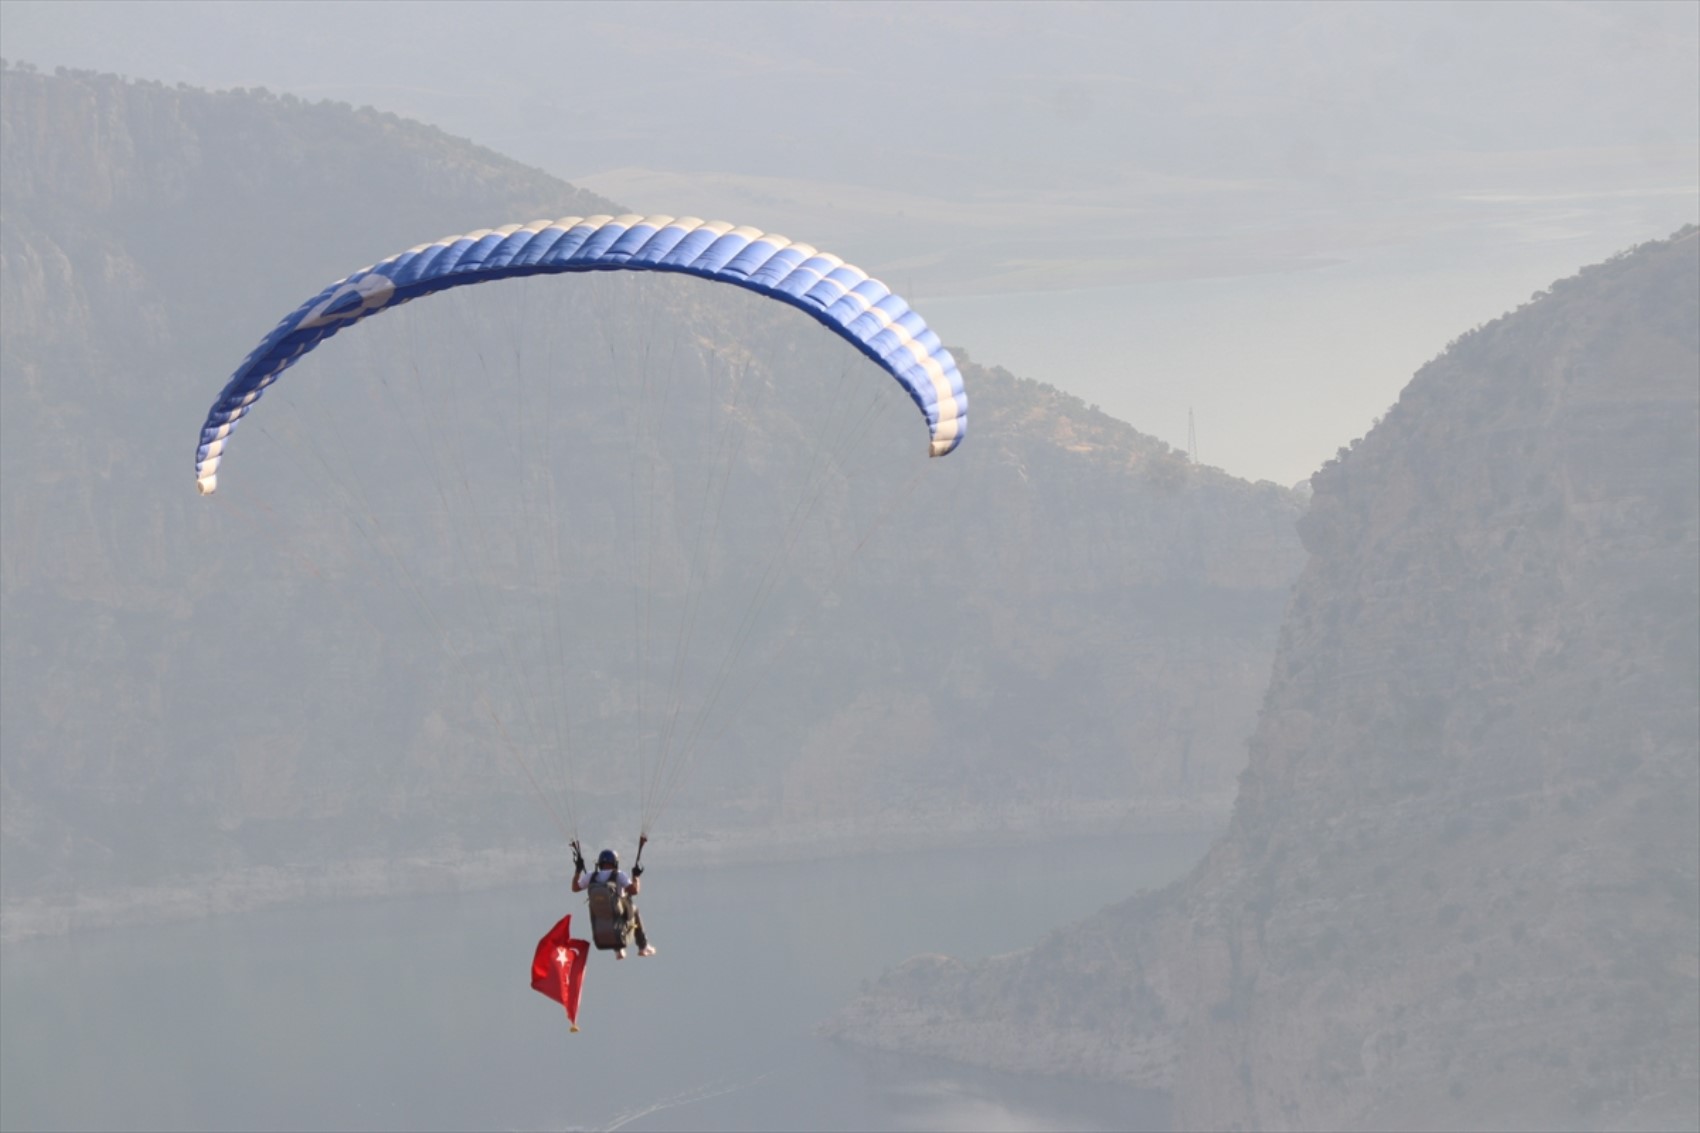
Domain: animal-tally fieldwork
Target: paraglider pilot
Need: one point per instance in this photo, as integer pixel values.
(613, 914)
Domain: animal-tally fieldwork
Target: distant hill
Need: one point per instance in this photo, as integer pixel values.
(1081, 636)
(1460, 887)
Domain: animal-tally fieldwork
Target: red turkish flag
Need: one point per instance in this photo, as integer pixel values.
(558, 968)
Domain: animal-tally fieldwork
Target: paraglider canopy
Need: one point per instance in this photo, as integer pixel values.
(842, 297)
(591, 536)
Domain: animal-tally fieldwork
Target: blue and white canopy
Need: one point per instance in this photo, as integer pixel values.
(861, 309)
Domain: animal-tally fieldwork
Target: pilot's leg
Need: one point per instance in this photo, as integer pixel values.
(642, 938)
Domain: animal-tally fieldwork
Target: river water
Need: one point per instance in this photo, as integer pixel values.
(417, 1013)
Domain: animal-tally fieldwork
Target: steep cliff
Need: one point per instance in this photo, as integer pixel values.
(1460, 886)
(183, 700)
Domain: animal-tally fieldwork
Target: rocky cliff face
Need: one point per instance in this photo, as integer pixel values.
(1460, 887)
(1109, 602)
(178, 700)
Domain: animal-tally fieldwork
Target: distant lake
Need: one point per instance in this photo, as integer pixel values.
(417, 1013)
(1279, 369)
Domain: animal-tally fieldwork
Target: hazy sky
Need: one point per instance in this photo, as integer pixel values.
(1268, 214)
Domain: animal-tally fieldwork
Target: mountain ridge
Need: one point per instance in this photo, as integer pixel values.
(1459, 889)
(1079, 551)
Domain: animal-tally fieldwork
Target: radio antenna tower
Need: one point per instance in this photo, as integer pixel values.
(1191, 437)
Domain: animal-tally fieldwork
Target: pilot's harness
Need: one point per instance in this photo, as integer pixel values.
(610, 908)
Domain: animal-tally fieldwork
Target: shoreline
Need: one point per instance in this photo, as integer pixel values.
(254, 888)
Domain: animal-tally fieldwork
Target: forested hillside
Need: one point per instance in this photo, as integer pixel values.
(1460, 886)
(1073, 623)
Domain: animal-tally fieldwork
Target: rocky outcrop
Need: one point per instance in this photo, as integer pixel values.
(1460, 886)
